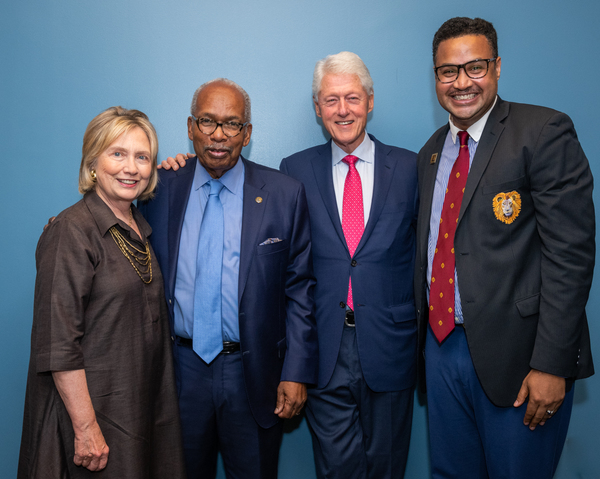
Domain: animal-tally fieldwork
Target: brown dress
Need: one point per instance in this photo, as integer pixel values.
(92, 311)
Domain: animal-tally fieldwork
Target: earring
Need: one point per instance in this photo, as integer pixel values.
(93, 175)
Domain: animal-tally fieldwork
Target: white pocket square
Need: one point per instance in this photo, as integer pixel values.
(270, 241)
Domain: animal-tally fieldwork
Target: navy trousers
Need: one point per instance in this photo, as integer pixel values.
(358, 433)
(469, 436)
(216, 417)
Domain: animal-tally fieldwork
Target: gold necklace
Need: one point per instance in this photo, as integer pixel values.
(142, 258)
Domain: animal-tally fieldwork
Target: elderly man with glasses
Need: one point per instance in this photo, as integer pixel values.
(233, 241)
(505, 254)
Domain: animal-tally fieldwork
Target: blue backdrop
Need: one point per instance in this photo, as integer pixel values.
(62, 62)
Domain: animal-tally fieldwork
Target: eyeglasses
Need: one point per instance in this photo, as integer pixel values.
(474, 69)
(208, 126)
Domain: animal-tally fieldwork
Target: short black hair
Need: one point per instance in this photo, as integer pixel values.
(461, 26)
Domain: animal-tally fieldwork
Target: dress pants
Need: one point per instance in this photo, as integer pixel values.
(216, 417)
(358, 433)
(472, 438)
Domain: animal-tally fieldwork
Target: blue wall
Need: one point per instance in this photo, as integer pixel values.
(62, 62)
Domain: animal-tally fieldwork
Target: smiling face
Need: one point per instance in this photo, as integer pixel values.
(217, 152)
(343, 104)
(467, 99)
(123, 169)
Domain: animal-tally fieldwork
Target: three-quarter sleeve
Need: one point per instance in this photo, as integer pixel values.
(65, 273)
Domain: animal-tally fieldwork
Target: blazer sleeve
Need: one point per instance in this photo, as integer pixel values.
(301, 359)
(561, 187)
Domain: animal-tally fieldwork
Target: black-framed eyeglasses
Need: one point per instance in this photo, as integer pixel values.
(474, 69)
(208, 126)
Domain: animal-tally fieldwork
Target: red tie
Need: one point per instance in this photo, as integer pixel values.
(441, 291)
(353, 218)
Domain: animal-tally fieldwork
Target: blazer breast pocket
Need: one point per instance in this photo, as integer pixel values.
(504, 187)
(274, 247)
(396, 208)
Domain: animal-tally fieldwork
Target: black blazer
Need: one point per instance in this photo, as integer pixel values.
(524, 282)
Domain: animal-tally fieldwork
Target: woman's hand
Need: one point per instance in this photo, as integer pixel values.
(91, 450)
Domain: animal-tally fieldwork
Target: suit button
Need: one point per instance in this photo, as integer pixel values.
(353, 263)
(170, 302)
(342, 304)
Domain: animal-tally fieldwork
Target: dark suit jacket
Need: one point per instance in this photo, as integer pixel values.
(524, 285)
(381, 269)
(277, 329)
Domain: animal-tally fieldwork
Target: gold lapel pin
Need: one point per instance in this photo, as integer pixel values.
(258, 199)
(433, 159)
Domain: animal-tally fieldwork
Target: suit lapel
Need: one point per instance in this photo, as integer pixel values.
(252, 216)
(178, 188)
(426, 188)
(323, 172)
(487, 143)
(384, 172)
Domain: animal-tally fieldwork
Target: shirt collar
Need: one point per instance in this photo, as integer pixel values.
(476, 129)
(361, 151)
(105, 218)
(232, 179)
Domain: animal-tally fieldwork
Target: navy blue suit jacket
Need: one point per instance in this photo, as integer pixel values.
(381, 268)
(276, 283)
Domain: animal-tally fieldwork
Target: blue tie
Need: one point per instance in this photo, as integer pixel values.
(208, 336)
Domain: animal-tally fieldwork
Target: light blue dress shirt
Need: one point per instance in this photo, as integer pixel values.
(231, 197)
(446, 162)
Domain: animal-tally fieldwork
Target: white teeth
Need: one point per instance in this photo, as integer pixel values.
(470, 96)
(129, 182)
(344, 122)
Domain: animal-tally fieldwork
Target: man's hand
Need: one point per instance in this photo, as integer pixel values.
(290, 399)
(50, 220)
(91, 450)
(176, 162)
(546, 393)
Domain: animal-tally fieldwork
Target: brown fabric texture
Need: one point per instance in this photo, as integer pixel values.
(92, 311)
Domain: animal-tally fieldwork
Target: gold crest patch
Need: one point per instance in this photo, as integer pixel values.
(507, 206)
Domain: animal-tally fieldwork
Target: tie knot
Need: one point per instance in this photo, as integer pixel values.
(215, 187)
(463, 136)
(350, 160)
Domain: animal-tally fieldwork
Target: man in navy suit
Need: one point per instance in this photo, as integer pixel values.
(362, 198)
(504, 343)
(234, 402)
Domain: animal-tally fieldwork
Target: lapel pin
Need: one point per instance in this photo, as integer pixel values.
(433, 159)
(258, 199)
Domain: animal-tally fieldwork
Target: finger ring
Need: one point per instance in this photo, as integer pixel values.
(549, 412)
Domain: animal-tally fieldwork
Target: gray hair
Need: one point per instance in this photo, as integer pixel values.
(343, 63)
(247, 106)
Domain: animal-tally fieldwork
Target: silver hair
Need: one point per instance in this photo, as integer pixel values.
(343, 63)
(247, 106)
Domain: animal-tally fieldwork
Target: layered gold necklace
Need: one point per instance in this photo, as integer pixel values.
(132, 253)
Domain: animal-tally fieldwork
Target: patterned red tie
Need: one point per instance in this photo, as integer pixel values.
(353, 217)
(441, 291)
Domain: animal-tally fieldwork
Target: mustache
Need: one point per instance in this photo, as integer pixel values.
(466, 91)
(217, 147)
